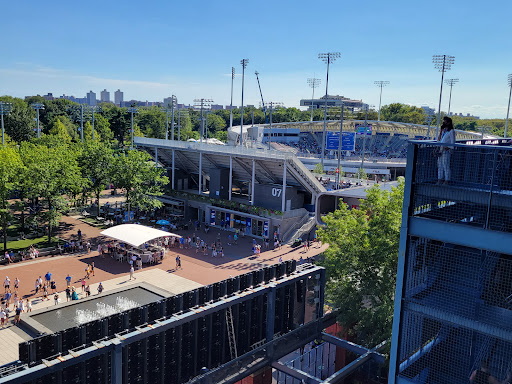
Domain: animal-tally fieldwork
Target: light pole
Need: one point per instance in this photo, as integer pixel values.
(451, 83)
(132, 110)
(443, 63)
(509, 94)
(37, 107)
(313, 83)
(202, 103)
(174, 101)
(5, 109)
(329, 57)
(380, 84)
(185, 112)
(272, 104)
(231, 103)
(167, 109)
(244, 63)
(206, 113)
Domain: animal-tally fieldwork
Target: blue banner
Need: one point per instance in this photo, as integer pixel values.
(212, 217)
(348, 141)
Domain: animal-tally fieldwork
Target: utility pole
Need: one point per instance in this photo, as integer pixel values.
(132, 110)
(202, 103)
(37, 107)
(5, 109)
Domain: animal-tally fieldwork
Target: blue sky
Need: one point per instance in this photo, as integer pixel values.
(155, 49)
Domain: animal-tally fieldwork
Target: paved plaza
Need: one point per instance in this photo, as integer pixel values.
(198, 270)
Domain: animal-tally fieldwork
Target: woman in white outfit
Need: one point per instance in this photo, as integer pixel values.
(446, 136)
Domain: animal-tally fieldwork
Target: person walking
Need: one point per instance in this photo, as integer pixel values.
(16, 284)
(100, 288)
(83, 284)
(29, 306)
(3, 316)
(92, 268)
(68, 280)
(132, 271)
(7, 284)
(68, 293)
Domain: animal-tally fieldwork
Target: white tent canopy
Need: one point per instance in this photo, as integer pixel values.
(135, 234)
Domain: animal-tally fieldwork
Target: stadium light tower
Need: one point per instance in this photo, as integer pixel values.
(5, 109)
(328, 58)
(380, 84)
(37, 107)
(509, 94)
(244, 63)
(170, 107)
(272, 104)
(231, 103)
(451, 83)
(313, 83)
(202, 103)
(443, 63)
(132, 110)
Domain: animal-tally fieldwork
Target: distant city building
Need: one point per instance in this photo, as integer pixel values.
(228, 107)
(105, 96)
(118, 97)
(462, 115)
(428, 110)
(91, 98)
(216, 107)
(334, 101)
(49, 96)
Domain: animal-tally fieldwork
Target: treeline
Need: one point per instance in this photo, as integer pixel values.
(113, 123)
(52, 173)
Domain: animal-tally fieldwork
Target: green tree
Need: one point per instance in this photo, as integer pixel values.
(361, 174)
(10, 166)
(59, 129)
(141, 180)
(102, 127)
(19, 124)
(52, 171)
(136, 133)
(95, 162)
(215, 124)
(319, 169)
(402, 113)
(361, 262)
(152, 122)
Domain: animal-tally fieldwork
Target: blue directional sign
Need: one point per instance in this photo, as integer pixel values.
(363, 129)
(347, 141)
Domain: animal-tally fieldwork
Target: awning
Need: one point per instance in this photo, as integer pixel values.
(135, 234)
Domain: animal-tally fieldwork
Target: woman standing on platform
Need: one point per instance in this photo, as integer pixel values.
(446, 136)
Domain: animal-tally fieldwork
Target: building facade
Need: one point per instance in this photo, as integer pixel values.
(91, 98)
(105, 96)
(118, 97)
(334, 101)
(453, 302)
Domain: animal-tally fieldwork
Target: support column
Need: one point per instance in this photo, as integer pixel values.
(156, 156)
(172, 172)
(200, 173)
(116, 365)
(252, 180)
(283, 194)
(230, 176)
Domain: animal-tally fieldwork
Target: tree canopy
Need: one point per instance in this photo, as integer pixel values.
(361, 262)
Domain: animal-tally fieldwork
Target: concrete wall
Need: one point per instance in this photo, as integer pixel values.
(270, 196)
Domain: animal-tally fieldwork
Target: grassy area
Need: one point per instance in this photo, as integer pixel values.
(95, 222)
(41, 242)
